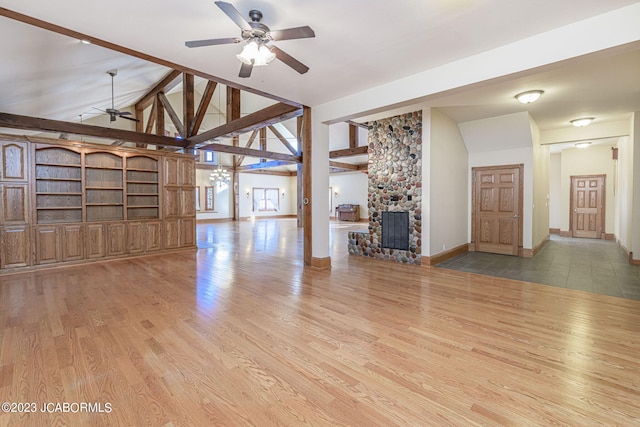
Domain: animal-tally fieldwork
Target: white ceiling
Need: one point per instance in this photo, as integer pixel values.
(358, 45)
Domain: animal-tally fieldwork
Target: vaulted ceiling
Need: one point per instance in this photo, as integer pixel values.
(358, 45)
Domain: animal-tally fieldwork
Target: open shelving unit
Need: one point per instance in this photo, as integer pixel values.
(104, 187)
(143, 196)
(58, 178)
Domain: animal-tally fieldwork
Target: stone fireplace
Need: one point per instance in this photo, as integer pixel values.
(395, 191)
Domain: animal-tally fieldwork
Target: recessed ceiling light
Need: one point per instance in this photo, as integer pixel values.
(529, 96)
(582, 122)
(85, 41)
(584, 144)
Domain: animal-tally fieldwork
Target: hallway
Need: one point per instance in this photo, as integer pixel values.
(590, 265)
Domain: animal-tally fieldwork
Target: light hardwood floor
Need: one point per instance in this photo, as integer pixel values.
(240, 333)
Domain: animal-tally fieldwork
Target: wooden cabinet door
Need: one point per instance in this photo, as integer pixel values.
(187, 202)
(47, 244)
(15, 247)
(13, 157)
(15, 209)
(116, 239)
(171, 171)
(187, 232)
(171, 233)
(135, 237)
(153, 236)
(187, 172)
(95, 242)
(72, 242)
(172, 202)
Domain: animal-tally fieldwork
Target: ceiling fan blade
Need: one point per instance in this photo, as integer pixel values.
(128, 118)
(245, 70)
(289, 60)
(124, 113)
(292, 33)
(235, 16)
(212, 42)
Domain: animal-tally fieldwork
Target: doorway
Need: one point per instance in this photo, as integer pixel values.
(587, 206)
(496, 224)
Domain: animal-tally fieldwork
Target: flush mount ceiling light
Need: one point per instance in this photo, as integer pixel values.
(583, 144)
(529, 96)
(582, 122)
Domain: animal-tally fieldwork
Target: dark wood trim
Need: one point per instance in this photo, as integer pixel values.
(127, 51)
(299, 174)
(152, 118)
(554, 231)
(283, 140)
(443, 256)
(172, 113)
(188, 103)
(609, 236)
(167, 83)
(540, 245)
(566, 233)
(265, 117)
(306, 188)
(159, 116)
(202, 107)
(15, 121)
(263, 141)
(347, 152)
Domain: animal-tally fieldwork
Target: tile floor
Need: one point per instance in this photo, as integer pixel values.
(590, 265)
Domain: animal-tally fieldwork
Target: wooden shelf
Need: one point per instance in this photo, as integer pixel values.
(111, 168)
(142, 170)
(142, 206)
(141, 194)
(59, 179)
(57, 208)
(105, 204)
(103, 188)
(52, 193)
(65, 165)
(142, 182)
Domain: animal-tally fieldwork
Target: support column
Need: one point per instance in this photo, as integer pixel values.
(319, 185)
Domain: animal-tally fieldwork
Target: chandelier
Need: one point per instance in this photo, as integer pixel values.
(219, 176)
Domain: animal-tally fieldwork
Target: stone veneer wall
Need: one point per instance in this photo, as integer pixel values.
(395, 169)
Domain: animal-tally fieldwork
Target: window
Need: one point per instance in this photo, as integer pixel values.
(209, 157)
(208, 198)
(266, 199)
(197, 198)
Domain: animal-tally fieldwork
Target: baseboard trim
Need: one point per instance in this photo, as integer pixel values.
(321, 263)
(428, 261)
(541, 245)
(554, 231)
(609, 236)
(633, 261)
(212, 220)
(248, 218)
(566, 233)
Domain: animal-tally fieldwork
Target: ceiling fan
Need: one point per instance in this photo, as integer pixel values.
(257, 36)
(112, 112)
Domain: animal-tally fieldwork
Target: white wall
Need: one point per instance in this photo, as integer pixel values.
(248, 181)
(635, 220)
(541, 196)
(222, 198)
(594, 160)
(352, 188)
(624, 192)
(445, 170)
(555, 208)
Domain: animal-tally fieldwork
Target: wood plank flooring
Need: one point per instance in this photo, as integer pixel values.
(240, 333)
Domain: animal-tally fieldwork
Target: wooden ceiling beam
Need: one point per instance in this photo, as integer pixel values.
(188, 103)
(249, 143)
(262, 165)
(167, 83)
(15, 121)
(348, 152)
(269, 172)
(172, 113)
(362, 125)
(353, 136)
(283, 140)
(222, 148)
(203, 106)
(152, 118)
(265, 117)
(345, 166)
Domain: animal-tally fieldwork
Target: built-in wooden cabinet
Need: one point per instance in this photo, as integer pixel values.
(15, 246)
(73, 202)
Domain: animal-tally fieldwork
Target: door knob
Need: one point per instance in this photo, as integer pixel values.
(515, 216)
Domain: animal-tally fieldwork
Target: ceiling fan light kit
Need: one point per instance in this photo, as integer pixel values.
(257, 36)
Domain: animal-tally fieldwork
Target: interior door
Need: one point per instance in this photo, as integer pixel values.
(587, 206)
(497, 208)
